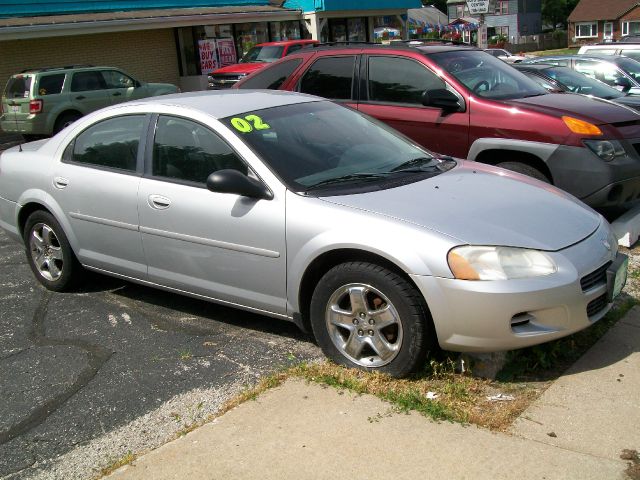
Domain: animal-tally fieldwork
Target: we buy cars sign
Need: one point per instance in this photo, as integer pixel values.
(478, 6)
(208, 55)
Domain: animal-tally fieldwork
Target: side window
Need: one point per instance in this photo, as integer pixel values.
(85, 81)
(634, 54)
(185, 150)
(273, 76)
(50, 84)
(560, 63)
(116, 79)
(400, 80)
(603, 71)
(330, 77)
(293, 48)
(112, 143)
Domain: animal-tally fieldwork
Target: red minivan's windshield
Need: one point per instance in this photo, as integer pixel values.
(486, 76)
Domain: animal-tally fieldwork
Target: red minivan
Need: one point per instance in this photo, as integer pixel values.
(255, 59)
(463, 102)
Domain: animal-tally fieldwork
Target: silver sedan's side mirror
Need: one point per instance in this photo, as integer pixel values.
(233, 181)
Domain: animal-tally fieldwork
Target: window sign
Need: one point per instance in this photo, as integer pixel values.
(208, 56)
(478, 6)
(226, 51)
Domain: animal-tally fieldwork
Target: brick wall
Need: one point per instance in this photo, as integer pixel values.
(149, 55)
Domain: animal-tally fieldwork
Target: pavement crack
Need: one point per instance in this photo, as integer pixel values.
(97, 357)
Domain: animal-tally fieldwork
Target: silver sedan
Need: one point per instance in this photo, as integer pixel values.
(300, 209)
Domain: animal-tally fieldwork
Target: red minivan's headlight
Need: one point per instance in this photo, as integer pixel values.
(35, 106)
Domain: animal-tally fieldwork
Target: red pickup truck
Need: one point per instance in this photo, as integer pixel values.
(256, 58)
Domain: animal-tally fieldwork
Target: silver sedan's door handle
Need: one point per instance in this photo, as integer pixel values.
(159, 202)
(60, 182)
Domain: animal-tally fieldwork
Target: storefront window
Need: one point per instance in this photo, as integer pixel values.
(250, 34)
(285, 30)
(189, 55)
(345, 30)
(357, 29)
(388, 28)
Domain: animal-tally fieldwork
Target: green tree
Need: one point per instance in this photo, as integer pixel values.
(439, 4)
(557, 11)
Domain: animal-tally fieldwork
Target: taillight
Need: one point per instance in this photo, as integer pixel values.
(35, 106)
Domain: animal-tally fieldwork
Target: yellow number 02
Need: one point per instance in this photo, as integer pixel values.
(243, 125)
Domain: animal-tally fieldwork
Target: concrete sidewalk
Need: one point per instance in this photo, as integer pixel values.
(304, 431)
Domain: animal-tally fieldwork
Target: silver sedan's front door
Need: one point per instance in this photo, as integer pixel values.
(222, 246)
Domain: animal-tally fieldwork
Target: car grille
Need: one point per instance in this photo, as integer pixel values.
(597, 305)
(223, 81)
(594, 278)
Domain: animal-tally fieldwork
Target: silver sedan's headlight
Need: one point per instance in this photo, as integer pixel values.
(498, 263)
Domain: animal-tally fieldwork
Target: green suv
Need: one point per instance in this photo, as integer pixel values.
(44, 101)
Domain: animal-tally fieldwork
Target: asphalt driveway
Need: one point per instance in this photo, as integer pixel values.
(112, 367)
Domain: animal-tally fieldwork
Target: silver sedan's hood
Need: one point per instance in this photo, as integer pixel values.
(483, 205)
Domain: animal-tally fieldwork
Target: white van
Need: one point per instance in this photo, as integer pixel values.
(631, 50)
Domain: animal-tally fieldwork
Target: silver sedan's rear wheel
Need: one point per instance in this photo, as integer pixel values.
(48, 252)
(366, 316)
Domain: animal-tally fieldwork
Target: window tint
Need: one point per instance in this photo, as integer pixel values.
(111, 143)
(50, 84)
(187, 151)
(330, 78)
(85, 81)
(293, 48)
(18, 86)
(272, 77)
(635, 54)
(399, 80)
(116, 79)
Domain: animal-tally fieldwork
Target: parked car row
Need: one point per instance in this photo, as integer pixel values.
(343, 220)
(463, 102)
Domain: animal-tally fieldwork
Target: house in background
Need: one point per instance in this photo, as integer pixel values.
(594, 21)
(511, 18)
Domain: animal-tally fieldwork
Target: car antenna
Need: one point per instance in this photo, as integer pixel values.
(15, 117)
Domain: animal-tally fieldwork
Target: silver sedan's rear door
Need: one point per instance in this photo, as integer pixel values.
(96, 184)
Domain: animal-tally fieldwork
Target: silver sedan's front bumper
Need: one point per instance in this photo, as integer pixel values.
(505, 315)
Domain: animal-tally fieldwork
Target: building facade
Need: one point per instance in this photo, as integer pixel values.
(508, 18)
(167, 40)
(594, 21)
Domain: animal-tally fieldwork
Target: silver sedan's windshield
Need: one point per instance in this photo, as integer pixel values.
(486, 76)
(319, 145)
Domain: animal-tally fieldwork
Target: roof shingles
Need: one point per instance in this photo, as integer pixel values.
(589, 10)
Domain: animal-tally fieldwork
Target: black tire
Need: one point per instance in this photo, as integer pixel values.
(525, 169)
(65, 120)
(58, 268)
(412, 335)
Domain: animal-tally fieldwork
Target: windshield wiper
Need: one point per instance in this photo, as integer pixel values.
(348, 178)
(411, 164)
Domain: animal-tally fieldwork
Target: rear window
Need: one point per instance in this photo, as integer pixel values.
(19, 86)
(272, 77)
(51, 84)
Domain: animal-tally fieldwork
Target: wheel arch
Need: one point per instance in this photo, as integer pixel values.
(325, 262)
(493, 151)
(66, 111)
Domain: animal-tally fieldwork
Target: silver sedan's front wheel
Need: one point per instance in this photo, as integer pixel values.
(366, 316)
(48, 252)
(364, 325)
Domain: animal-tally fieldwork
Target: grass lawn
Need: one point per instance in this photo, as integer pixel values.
(559, 51)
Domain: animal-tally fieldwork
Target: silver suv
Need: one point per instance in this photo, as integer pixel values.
(43, 101)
